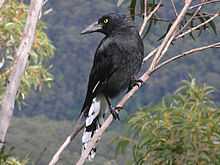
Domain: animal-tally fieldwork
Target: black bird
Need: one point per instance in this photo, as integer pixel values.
(117, 61)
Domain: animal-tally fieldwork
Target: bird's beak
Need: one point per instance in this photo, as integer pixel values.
(94, 27)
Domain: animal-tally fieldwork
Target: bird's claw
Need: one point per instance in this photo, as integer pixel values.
(115, 113)
(138, 83)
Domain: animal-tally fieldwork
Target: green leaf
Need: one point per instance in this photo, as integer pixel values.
(132, 8)
(211, 24)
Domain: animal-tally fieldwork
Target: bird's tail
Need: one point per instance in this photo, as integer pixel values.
(93, 122)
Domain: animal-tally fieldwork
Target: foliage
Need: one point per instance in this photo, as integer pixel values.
(12, 21)
(183, 129)
(6, 158)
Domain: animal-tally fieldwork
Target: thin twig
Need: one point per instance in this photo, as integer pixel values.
(145, 7)
(186, 53)
(170, 34)
(79, 125)
(204, 3)
(1, 3)
(190, 20)
(150, 54)
(174, 7)
(180, 35)
(147, 18)
(198, 26)
(167, 46)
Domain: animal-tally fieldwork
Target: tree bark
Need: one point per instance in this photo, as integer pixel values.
(1, 3)
(8, 101)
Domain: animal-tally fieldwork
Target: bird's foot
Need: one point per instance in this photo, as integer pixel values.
(137, 83)
(114, 112)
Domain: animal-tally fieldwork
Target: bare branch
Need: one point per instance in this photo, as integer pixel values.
(150, 54)
(190, 20)
(198, 26)
(174, 7)
(186, 53)
(170, 34)
(182, 34)
(1, 3)
(79, 125)
(204, 3)
(145, 7)
(7, 105)
(147, 18)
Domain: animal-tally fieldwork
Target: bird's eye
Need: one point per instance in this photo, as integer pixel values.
(105, 20)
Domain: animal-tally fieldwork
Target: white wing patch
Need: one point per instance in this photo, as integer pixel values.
(95, 116)
(95, 86)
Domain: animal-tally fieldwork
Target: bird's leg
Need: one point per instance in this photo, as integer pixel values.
(114, 111)
(136, 82)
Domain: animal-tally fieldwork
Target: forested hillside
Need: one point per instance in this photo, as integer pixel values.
(74, 54)
(37, 138)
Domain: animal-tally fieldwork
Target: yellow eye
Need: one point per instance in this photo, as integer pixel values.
(105, 20)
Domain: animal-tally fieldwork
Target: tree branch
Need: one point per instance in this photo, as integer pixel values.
(186, 53)
(204, 3)
(8, 101)
(190, 20)
(151, 54)
(147, 18)
(79, 125)
(180, 35)
(1, 3)
(198, 26)
(170, 34)
(174, 8)
(144, 78)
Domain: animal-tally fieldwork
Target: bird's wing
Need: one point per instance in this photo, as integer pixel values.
(102, 69)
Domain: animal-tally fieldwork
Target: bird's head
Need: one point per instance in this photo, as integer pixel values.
(108, 24)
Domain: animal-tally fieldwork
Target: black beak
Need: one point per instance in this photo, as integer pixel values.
(94, 27)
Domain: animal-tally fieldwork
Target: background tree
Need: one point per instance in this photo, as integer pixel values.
(13, 18)
(182, 129)
(6, 158)
(15, 29)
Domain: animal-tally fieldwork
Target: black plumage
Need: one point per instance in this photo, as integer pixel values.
(117, 61)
